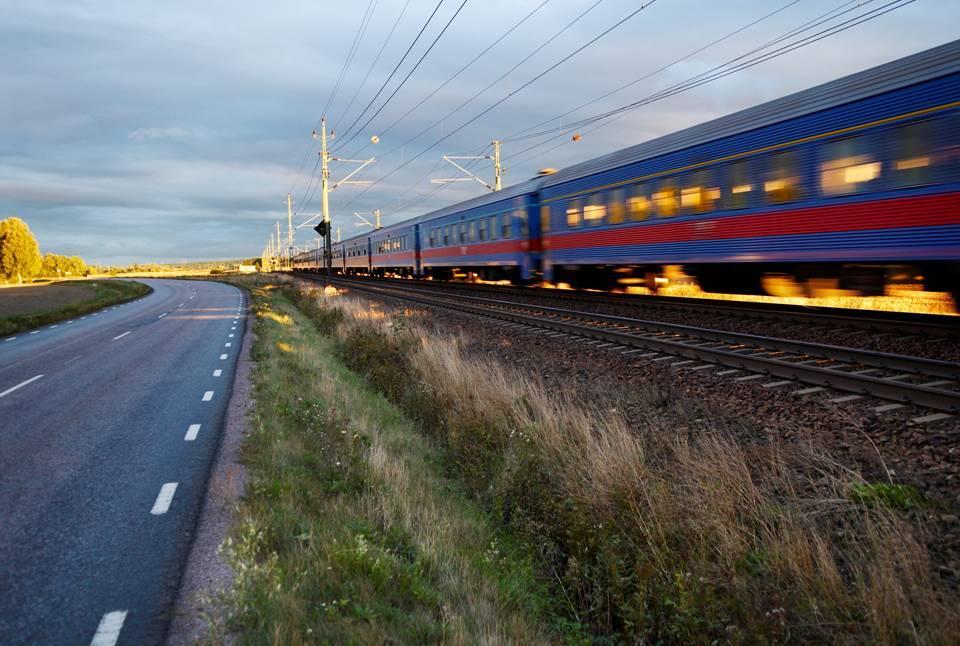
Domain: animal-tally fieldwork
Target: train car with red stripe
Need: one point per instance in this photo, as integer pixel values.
(394, 250)
(854, 184)
(356, 253)
(491, 237)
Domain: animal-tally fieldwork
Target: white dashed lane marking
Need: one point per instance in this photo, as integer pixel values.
(120, 336)
(13, 338)
(192, 433)
(222, 357)
(20, 385)
(109, 629)
(164, 498)
(207, 396)
(217, 372)
(229, 336)
(227, 344)
(35, 332)
(162, 315)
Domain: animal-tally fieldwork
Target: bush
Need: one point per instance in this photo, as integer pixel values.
(653, 532)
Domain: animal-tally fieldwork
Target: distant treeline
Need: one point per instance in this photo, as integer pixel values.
(21, 260)
(213, 266)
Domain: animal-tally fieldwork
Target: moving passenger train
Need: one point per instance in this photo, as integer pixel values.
(854, 185)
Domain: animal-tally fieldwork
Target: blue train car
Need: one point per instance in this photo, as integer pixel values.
(357, 255)
(849, 184)
(394, 250)
(491, 237)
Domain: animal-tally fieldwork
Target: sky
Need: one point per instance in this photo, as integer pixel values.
(135, 131)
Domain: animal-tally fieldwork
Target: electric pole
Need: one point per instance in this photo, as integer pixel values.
(325, 195)
(496, 165)
(290, 236)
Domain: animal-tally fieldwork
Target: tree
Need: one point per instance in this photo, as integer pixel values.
(19, 251)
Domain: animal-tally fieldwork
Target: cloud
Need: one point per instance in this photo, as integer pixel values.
(127, 132)
(141, 135)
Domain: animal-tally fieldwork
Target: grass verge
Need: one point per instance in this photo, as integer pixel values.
(651, 532)
(349, 532)
(105, 293)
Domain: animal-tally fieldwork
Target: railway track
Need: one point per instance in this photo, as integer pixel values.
(898, 378)
(901, 323)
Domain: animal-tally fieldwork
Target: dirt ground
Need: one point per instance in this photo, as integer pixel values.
(30, 299)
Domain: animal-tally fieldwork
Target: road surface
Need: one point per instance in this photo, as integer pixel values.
(108, 426)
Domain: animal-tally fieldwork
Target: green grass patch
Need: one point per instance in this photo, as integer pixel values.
(349, 531)
(104, 293)
(895, 496)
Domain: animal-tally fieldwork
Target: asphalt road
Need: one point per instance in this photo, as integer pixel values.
(102, 469)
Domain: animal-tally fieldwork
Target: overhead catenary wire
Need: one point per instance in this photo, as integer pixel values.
(853, 22)
(376, 59)
(516, 136)
(516, 25)
(405, 78)
(397, 67)
(371, 8)
(464, 104)
(509, 95)
(364, 21)
(567, 129)
(718, 71)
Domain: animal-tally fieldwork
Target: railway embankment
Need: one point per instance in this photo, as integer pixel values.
(646, 513)
(351, 530)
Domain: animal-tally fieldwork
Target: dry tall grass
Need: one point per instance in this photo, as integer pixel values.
(651, 532)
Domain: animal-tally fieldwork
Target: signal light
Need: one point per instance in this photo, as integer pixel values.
(323, 228)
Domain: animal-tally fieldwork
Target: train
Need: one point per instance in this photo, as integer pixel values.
(852, 185)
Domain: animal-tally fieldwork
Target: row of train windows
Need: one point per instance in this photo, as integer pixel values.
(356, 251)
(480, 229)
(392, 244)
(844, 167)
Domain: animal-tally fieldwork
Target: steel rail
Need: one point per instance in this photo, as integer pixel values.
(877, 321)
(664, 339)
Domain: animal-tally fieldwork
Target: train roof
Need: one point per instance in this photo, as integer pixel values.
(522, 188)
(916, 68)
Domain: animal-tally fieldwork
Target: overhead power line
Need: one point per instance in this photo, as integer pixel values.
(384, 131)
(698, 80)
(719, 71)
(405, 78)
(511, 94)
(360, 30)
(540, 47)
(376, 59)
(389, 78)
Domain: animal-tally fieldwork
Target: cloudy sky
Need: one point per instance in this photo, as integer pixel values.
(163, 131)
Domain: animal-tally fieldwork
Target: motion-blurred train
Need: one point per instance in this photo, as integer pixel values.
(852, 185)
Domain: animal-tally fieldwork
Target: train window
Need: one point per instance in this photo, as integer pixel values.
(666, 199)
(782, 177)
(741, 185)
(912, 154)
(573, 213)
(482, 229)
(505, 225)
(473, 231)
(616, 207)
(595, 210)
(699, 196)
(463, 232)
(847, 166)
(493, 227)
(638, 203)
(524, 226)
(446, 235)
(544, 219)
